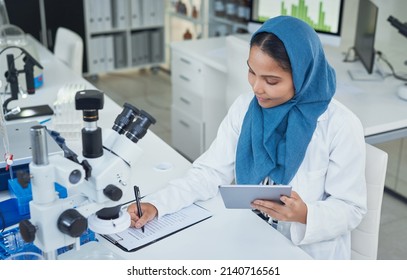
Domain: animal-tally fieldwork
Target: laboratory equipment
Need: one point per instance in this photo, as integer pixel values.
(19, 145)
(12, 80)
(66, 120)
(12, 244)
(13, 38)
(13, 43)
(401, 27)
(97, 187)
(15, 144)
(3, 13)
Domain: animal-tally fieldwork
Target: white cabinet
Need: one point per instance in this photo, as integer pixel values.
(124, 34)
(198, 79)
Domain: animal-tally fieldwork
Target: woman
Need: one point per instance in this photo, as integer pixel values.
(292, 132)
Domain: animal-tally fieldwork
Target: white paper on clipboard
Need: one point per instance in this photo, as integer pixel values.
(240, 196)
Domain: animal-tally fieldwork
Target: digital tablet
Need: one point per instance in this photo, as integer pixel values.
(240, 196)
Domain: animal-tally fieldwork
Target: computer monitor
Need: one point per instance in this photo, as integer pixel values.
(365, 33)
(325, 16)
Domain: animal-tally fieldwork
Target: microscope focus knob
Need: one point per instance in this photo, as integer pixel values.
(27, 230)
(72, 223)
(113, 192)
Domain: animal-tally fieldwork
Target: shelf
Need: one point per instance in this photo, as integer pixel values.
(205, 26)
(187, 18)
(228, 21)
(124, 34)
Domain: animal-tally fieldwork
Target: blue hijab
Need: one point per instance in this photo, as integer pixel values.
(273, 141)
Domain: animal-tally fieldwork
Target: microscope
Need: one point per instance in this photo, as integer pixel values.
(12, 79)
(96, 188)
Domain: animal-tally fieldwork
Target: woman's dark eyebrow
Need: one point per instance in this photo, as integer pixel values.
(247, 61)
(264, 76)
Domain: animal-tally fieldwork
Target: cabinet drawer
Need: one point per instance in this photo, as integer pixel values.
(187, 134)
(187, 101)
(187, 72)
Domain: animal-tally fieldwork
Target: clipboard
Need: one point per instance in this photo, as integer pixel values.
(240, 196)
(133, 239)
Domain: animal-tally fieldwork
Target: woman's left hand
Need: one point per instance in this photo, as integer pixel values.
(293, 208)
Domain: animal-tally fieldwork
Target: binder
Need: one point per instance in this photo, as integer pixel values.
(145, 47)
(119, 45)
(99, 26)
(106, 14)
(146, 13)
(156, 46)
(138, 48)
(109, 53)
(101, 49)
(119, 10)
(135, 13)
(93, 55)
(134, 55)
(91, 15)
(159, 19)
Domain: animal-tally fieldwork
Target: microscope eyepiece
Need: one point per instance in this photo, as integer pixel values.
(139, 127)
(126, 117)
(392, 19)
(401, 27)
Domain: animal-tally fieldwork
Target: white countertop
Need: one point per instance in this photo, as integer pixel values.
(211, 50)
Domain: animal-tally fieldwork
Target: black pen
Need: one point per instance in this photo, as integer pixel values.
(137, 195)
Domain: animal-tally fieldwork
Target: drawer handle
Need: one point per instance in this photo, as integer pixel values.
(184, 78)
(184, 123)
(186, 101)
(185, 60)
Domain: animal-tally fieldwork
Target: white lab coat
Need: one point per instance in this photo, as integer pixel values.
(331, 179)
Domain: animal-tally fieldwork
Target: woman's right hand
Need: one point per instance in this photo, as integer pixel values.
(149, 213)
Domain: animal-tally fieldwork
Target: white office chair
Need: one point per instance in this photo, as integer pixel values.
(365, 238)
(69, 49)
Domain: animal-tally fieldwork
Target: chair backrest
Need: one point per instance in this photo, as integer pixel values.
(69, 49)
(365, 238)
